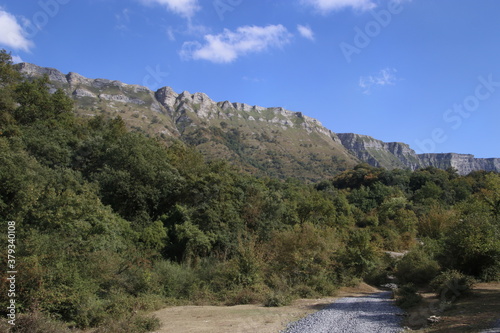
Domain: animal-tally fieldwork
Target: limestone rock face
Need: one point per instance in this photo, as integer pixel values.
(121, 98)
(36, 71)
(378, 153)
(399, 155)
(167, 97)
(464, 163)
(83, 93)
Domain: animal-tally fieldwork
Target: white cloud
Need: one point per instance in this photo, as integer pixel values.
(185, 8)
(305, 31)
(326, 6)
(17, 59)
(384, 77)
(12, 34)
(229, 45)
(122, 20)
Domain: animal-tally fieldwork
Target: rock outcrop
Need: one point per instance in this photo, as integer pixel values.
(390, 155)
(393, 155)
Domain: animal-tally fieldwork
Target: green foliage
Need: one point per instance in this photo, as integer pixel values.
(417, 267)
(37, 322)
(407, 296)
(36, 103)
(176, 280)
(436, 222)
(277, 299)
(136, 179)
(473, 245)
(451, 284)
(133, 324)
(302, 256)
(359, 255)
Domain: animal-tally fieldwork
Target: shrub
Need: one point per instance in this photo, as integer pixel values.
(178, 281)
(275, 299)
(473, 245)
(491, 273)
(416, 267)
(379, 275)
(244, 296)
(450, 285)
(304, 291)
(407, 297)
(134, 324)
(37, 322)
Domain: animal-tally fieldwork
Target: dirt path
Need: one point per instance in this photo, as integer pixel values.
(245, 318)
(369, 313)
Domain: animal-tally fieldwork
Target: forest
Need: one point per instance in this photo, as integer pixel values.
(111, 224)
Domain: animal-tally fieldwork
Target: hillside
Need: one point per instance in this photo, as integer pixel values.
(264, 141)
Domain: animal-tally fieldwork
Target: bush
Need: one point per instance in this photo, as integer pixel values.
(37, 322)
(407, 297)
(450, 285)
(244, 296)
(134, 324)
(491, 273)
(278, 298)
(416, 267)
(178, 281)
(379, 275)
(304, 291)
(473, 245)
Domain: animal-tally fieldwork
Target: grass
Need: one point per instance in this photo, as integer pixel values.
(246, 318)
(471, 313)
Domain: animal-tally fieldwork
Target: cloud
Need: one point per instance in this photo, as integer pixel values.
(17, 59)
(326, 6)
(305, 31)
(12, 33)
(122, 19)
(229, 45)
(384, 77)
(184, 8)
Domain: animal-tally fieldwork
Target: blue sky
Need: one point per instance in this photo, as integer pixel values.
(417, 71)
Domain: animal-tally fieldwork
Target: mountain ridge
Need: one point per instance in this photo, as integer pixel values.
(270, 141)
(400, 155)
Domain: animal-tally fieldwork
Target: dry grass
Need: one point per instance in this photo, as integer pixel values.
(471, 313)
(245, 318)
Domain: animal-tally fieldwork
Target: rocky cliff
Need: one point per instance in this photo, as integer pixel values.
(267, 141)
(393, 155)
(464, 163)
(390, 155)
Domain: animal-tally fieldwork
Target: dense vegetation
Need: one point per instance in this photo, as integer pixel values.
(110, 222)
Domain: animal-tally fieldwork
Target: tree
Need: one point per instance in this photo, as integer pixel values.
(473, 245)
(491, 194)
(37, 103)
(9, 79)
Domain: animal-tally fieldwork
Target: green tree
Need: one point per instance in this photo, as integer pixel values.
(37, 103)
(473, 245)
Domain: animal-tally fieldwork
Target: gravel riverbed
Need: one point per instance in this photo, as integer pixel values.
(372, 313)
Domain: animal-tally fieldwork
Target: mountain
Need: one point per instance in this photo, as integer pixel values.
(265, 141)
(393, 155)
(268, 141)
